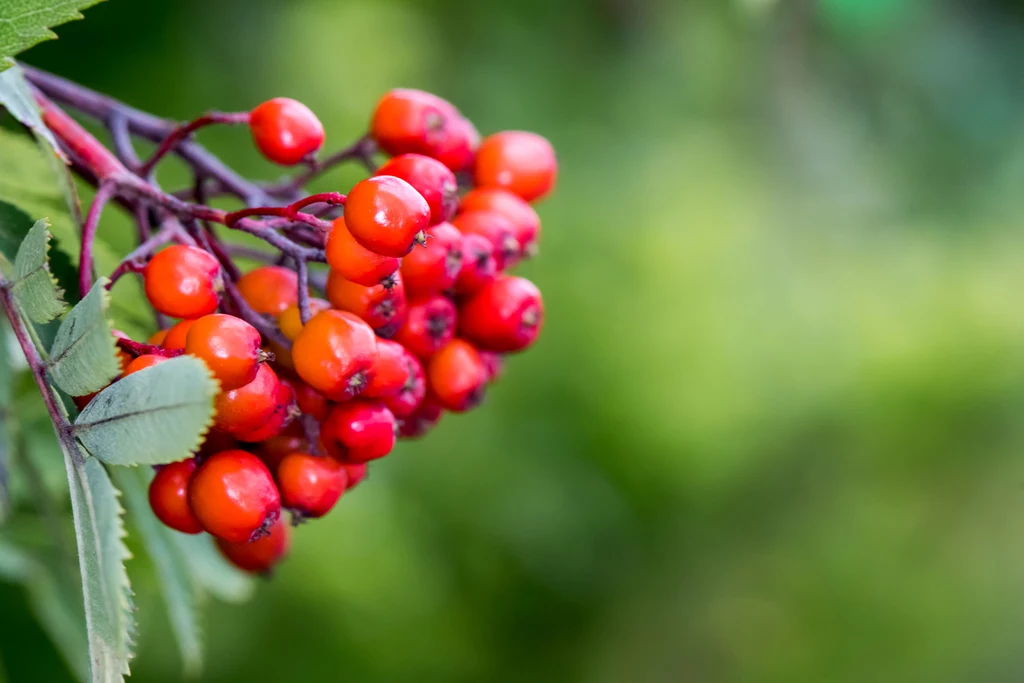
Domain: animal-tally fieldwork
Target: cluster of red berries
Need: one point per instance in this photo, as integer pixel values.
(419, 311)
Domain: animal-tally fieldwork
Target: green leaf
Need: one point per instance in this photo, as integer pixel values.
(16, 97)
(14, 227)
(157, 415)
(83, 358)
(6, 416)
(176, 582)
(99, 529)
(33, 286)
(211, 571)
(24, 23)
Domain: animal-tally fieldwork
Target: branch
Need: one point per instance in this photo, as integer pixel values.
(361, 150)
(182, 132)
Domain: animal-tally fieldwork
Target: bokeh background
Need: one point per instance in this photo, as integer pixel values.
(772, 431)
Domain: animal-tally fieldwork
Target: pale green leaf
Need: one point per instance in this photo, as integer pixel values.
(24, 23)
(16, 97)
(157, 415)
(82, 359)
(211, 571)
(14, 226)
(176, 583)
(34, 287)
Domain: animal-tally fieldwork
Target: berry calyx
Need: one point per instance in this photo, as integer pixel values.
(269, 290)
(335, 353)
(497, 229)
(435, 267)
(382, 308)
(429, 325)
(385, 214)
(390, 372)
(504, 316)
(358, 431)
(479, 266)
(234, 497)
(246, 408)
(521, 162)
(309, 400)
(261, 555)
(431, 178)
(355, 262)
(407, 120)
(513, 207)
(229, 346)
(422, 420)
(310, 485)
(183, 282)
(457, 376)
(285, 130)
(168, 496)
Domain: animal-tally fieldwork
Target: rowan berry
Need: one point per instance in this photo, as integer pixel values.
(234, 497)
(478, 264)
(513, 207)
(358, 431)
(408, 398)
(248, 407)
(518, 161)
(354, 474)
(168, 496)
(456, 376)
(504, 316)
(176, 334)
(496, 228)
(269, 289)
(142, 362)
(494, 363)
(457, 149)
(435, 267)
(273, 450)
(382, 308)
(422, 420)
(408, 120)
(183, 282)
(285, 130)
(310, 485)
(385, 214)
(229, 346)
(290, 320)
(335, 353)
(390, 372)
(354, 261)
(284, 412)
(429, 325)
(215, 442)
(157, 338)
(431, 178)
(259, 556)
(309, 400)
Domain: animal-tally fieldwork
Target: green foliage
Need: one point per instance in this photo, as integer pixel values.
(153, 416)
(82, 358)
(33, 286)
(24, 23)
(210, 571)
(16, 97)
(14, 226)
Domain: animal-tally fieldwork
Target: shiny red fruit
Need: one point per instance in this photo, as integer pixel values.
(513, 207)
(355, 262)
(390, 372)
(457, 150)
(176, 335)
(269, 289)
(358, 431)
(504, 316)
(183, 282)
(310, 485)
(408, 120)
(429, 325)
(385, 214)
(244, 409)
(422, 420)
(409, 397)
(309, 400)
(144, 361)
(456, 376)
(479, 266)
(382, 308)
(496, 228)
(434, 267)
(518, 161)
(259, 556)
(234, 497)
(285, 130)
(431, 178)
(284, 412)
(229, 346)
(335, 354)
(168, 496)
(355, 474)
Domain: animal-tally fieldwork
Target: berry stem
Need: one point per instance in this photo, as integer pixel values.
(183, 131)
(92, 220)
(139, 349)
(132, 263)
(303, 271)
(361, 150)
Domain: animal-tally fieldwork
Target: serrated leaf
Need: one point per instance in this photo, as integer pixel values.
(176, 583)
(82, 359)
(154, 416)
(16, 97)
(99, 530)
(24, 23)
(33, 286)
(14, 227)
(211, 571)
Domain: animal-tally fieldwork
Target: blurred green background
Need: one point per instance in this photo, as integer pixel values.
(772, 431)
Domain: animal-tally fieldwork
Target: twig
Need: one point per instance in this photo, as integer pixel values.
(92, 220)
(180, 133)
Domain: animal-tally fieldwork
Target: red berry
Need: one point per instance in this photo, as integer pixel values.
(354, 474)
(429, 325)
(382, 308)
(335, 354)
(411, 121)
(478, 264)
(290, 320)
(435, 267)
(259, 556)
(310, 485)
(422, 420)
(229, 346)
(458, 149)
(309, 400)
(385, 214)
(504, 316)
(432, 179)
(176, 335)
(276, 448)
(234, 497)
(513, 207)
(183, 282)
(355, 262)
(168, 496)
(496, 228)
(269, 289)
(457, 375)
(409, 397)
(157, 338)
(285, 130)
(284, 412)
(248, 407)
(520, 162)
(358, 431)
(494, 363)
(390, 372)
(144, 361)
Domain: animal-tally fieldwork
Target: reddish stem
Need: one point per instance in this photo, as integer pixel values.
(183, 131)
(104, 193)
(330, 198)
(139, 349)
(84, 146)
